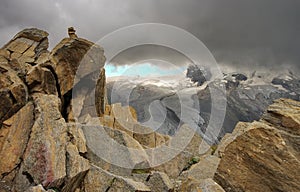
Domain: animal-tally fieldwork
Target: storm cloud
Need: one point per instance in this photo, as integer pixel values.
(254, 34)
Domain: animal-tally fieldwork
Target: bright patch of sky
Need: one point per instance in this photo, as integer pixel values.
(142, 70)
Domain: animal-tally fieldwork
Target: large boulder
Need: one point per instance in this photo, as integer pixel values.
(14, 136)
(75, 58)
(44, 158)
(264, 155)
(77, 63)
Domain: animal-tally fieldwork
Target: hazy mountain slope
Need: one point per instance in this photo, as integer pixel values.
(246, 97)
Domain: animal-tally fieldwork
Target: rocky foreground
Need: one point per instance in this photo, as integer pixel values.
(54, 114)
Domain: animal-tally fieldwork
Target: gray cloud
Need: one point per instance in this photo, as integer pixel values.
(151, 52)
(239, 33)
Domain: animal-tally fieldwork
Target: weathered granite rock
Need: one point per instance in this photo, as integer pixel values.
(210, 185)
(27, 46)
(187, 145)
(44, 158)
(100, 93)
(14, 135)
(13, 92)
(41, 80)
(124, 184)
(16, 58)
(204, 185)
(71, 32)
(144, 135)
(77, 137)
(114, 150)
(98, 180)
(263, 156)
(77, 62)
(159, 182)
(77, 168)
(67, 57)
(32, 34)
(205, 168)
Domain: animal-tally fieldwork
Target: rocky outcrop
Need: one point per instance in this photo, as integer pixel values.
(77, 63)
(263, 155)
(39, 150)
(44, 158)
(14, 135)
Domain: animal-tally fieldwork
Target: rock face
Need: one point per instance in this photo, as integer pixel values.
(14, 138)
(77, 63)
(264, 155)
(44, 158)
(39, 150)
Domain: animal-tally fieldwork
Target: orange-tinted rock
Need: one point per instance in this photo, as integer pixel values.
(44, 158)
(41, 80)
(263, 156)
(69, 55)
(13, 92)
(100, 93)
(14, 135)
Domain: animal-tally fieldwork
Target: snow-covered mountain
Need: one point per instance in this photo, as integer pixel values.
(164, 103)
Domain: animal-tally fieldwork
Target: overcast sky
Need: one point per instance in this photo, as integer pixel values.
(239, 33)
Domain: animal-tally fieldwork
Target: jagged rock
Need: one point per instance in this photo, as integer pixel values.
(69, 54)
(14, 135)
(205, 168)
(5, 54)
(160, 182)
(77, 168)
(100, 93)
(77, 62)
(20, 45)
(284, 115)
(144, 135)
(204, 185)
(13, 92)
(210, 185)
(77, 137)
(44, 158)
(122, 113)
(41, 80)
(71, 32)
(16, 55)
(98, 180)
(263, 156)
(140, 176)
(124, 118)
(28, 45)
(32, 34)
(124, 184)
(195, 147)
(131, 154)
